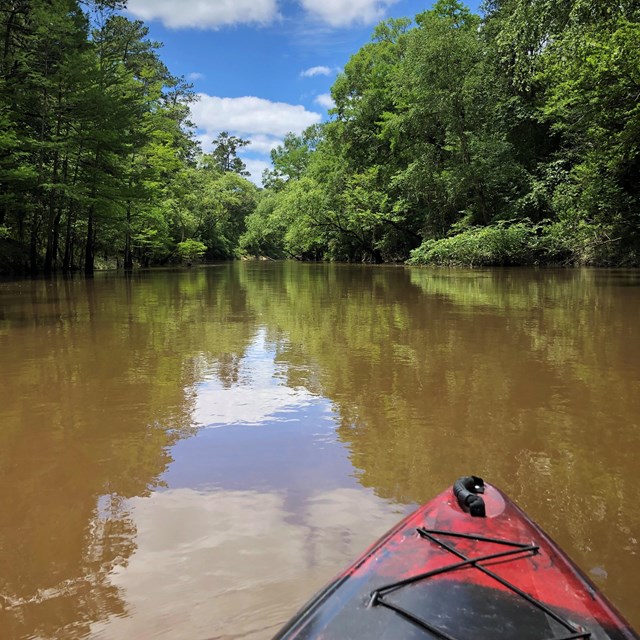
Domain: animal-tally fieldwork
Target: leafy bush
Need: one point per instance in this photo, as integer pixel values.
(190, 250)
(496, 245)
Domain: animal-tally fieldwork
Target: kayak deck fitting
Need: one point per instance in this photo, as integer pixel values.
(468, 565)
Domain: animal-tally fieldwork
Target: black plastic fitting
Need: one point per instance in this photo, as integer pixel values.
(466, 490)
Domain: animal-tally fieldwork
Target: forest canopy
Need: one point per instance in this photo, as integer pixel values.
(98, 163)
(459, 139)
(509, 137)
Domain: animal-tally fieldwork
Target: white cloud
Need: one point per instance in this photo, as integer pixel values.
(205, 141)
(258, 144)
(255, 167)
(196, 75)
(261, 394)
(263, 144)
(316, 71)
(342, 13)
(204, 14)
(250, 404)
(261, 121)
(325, 100)
(250, 116)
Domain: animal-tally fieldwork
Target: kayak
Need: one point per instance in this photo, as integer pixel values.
(468, 565)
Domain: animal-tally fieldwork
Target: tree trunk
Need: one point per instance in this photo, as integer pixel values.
(53, 221)
(90, 245)
(128, 253)
(56, 239)
(48, 256)
(67, 262)
(55, 212)
(33, 246)
(89, 250)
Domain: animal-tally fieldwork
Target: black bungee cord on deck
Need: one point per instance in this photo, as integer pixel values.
(466, 490)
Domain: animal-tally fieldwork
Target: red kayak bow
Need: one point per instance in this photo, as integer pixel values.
(469, 565)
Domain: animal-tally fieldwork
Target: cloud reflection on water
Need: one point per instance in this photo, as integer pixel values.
(230, 564)
(253, 520)
(259, 394)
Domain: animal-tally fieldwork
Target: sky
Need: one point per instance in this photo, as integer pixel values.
(262, 68)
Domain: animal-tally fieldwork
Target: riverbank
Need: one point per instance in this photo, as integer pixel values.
(526, 244)
(517, 244)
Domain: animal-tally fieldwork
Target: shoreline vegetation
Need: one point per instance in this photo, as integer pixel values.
(507, 138)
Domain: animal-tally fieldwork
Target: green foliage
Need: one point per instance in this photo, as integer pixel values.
(447, 128)
(303, 209)
(191, 250)
(98, 163)
(210, 206)
(444, 129)
(265, 228)
(592, 73)
(291, 158)
(225, 153)
(293, 222)
(498, 245)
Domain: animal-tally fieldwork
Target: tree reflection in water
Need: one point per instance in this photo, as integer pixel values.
(402, 378)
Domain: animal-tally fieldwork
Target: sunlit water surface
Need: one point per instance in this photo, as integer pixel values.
(191, 454)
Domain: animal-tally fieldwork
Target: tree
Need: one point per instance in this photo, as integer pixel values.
(363, 95)
(190, 250)
(593, 82)
(291, 159)
(209, 206)
(265, 228)
(224, 154)
(571, 72)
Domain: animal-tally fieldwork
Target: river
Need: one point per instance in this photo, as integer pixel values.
(192, 453)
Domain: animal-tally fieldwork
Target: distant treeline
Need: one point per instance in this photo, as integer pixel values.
(511, 138)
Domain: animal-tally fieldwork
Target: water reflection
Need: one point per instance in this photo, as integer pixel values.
(231, 562)
(295, 453)
(96, 385)
(340, 396)
(531, 377)
(259, 390)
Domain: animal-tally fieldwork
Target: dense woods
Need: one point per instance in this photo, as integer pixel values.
(506, 138)
(510, 138)
(98, 163)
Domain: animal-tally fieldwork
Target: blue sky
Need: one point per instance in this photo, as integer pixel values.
(263, 67)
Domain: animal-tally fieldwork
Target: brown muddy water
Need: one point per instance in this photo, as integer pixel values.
(191, 454)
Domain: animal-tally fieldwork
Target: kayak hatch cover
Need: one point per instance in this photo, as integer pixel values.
(468, 565)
